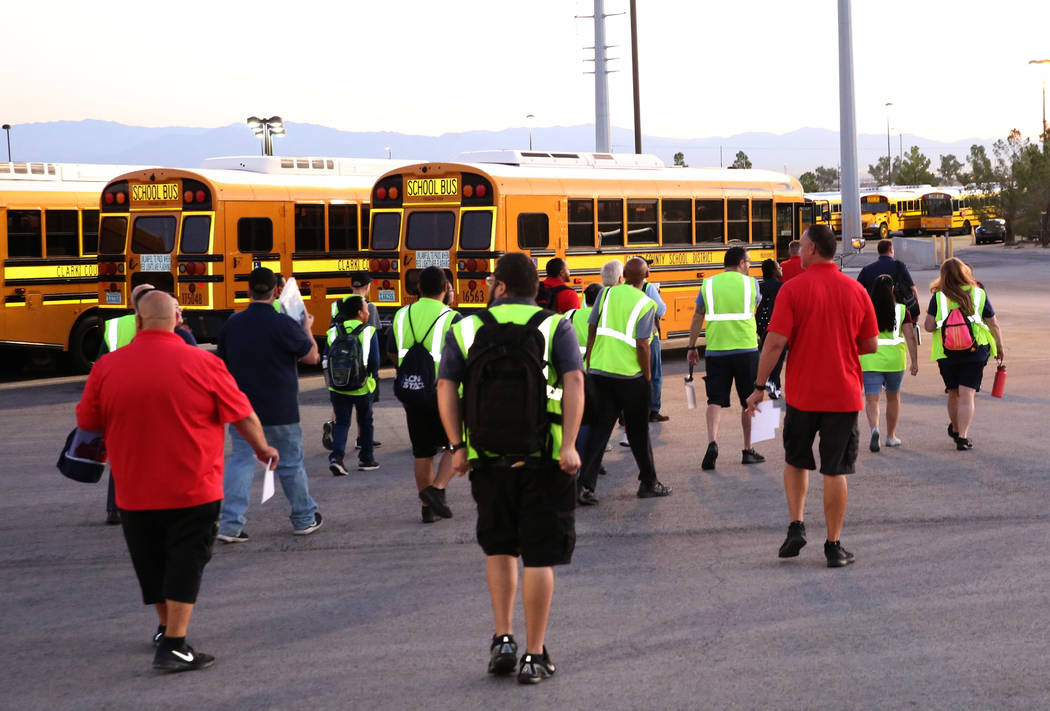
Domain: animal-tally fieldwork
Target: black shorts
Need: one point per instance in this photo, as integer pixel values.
(968, 373)
(838, 440)
(169, 549)
(527, 511)
(425, 432)
(723, 370)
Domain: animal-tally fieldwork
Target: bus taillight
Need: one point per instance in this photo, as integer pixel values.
(108, 198)
(480, 191)
(381, 193)
(472, 285)
(384, 265)
(373, 265)
(122, 197)
(393, 192)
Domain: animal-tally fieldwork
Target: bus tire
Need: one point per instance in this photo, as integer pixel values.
(884, 231)
(967, 228)
(84, 342)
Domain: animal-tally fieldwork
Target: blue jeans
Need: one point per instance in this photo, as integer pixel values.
(344, 405)
(241, 465)
(655, 384)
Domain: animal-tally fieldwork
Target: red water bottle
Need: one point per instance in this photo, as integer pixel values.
(1000, 381)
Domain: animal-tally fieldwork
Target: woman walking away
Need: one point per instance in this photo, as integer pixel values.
(965, 333)
(885, 367)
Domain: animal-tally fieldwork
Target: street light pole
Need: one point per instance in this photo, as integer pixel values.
(889, 156)
(1042, 61)
(7, 128)
(529, 118)
(266, 129)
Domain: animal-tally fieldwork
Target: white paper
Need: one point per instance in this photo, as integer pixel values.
(764, 424)
(292, 301)
(268, 488)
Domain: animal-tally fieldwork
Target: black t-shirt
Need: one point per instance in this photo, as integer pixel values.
(261, 349)
(895, 268)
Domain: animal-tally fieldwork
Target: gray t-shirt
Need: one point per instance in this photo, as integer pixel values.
(700, 305)
(565, 351)
(642, 329)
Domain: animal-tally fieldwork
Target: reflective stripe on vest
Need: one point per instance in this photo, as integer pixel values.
(120, 331)
(898, 320)
(581, 335)
(627, 334)
(977, 295)
(709, 303)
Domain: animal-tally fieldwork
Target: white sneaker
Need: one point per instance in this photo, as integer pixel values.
(893, 442)
(624, 442)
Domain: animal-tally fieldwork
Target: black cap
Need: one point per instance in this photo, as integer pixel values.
(262, 280)
(647, 261)
(359, 279)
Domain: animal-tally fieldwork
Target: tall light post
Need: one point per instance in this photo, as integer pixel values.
(7, 127)
(387, 149)
(266, 129)
(889, 156)
(1042, 61)
(530, 118)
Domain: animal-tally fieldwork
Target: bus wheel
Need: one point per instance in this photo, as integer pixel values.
(84, 344)
(884, 231)
(967, 228)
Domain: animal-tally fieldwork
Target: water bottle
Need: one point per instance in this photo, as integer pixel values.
(690, 391)
(1000, 381)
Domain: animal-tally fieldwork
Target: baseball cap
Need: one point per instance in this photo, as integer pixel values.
(647, 261)
(262, 280)
(359, 279)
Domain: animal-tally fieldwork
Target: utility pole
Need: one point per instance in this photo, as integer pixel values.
(889, 156)
(848, 130)
(634, 72)
(601, 82)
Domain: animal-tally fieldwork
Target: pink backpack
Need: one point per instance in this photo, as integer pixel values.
(957, 332)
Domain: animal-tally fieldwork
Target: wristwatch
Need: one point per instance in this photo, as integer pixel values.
(457, 445)
(760, 388)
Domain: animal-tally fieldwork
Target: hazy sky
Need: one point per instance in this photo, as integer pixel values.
(954, 69)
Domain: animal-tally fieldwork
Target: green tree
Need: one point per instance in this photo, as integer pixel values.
(915, 169)
(1022, 173)
(881, 175)
(950, 167)
(809, 181)
(827, 178)
(742, 161)
(679, 160)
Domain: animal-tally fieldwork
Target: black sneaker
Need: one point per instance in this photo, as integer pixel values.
(873, 445)
(710, 456)
(838, 557)
(504, 654)
(318, 522)
(367, 466)
(601, 470)
(326, 434)
(374, 444)
(951, 431)
(586, 497)
(651, 491)
(795, 541)
(159, 635)
(112, 518)
(963, 443)
(428, 515)
(435, 499)
(179, 660)
(337, 468)
(752, 457)
(535, 667)
(240, 537)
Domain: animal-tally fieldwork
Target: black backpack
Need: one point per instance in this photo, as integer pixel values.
(504, 389)
(346, 368)
(547, 297)
(415, 384)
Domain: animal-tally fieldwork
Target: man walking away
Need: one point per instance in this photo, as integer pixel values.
(351, 329)
(416, 340)
(523, 458)
(792, 266)
(904, 290)
(829, 321)
(162, 407)
(555, 293)
(727, 301)
(359, 285)
(262, 348)
(617, 359)
(656, 367)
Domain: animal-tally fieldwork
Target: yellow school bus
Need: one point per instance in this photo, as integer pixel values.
(199, 233)
(48, 242)
(828, 206)
(587, 208)
(955, 210)
(890, 209)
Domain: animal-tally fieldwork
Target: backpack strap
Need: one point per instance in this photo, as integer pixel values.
(433, 323)
(487, 319)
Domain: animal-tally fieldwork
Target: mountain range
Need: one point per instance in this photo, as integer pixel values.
(94, 141)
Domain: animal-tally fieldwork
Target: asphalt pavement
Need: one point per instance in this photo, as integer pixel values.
(677, 603)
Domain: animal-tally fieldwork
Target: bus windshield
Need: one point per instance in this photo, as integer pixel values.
(937, 207)
(872, 207)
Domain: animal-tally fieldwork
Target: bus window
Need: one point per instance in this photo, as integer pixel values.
(475, 229)
(785, 231)
(761, 220)
(89, 230)
(430, 230)
(112, 234)
(641, 222)
(255, 234)
(309, 228)
(386, 229)
(364, 226)
(581, 223)
(533, 230)
(677, 226)
(736, 220)
(196, 234)
(709, 216)
(342, 227)
(153, 234)
(61, 239)
(610, 223)
(23, 233)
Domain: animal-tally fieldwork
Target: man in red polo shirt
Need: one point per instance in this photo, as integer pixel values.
(828, 320)
(555, 293)
(792, 266)
(161, 407)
